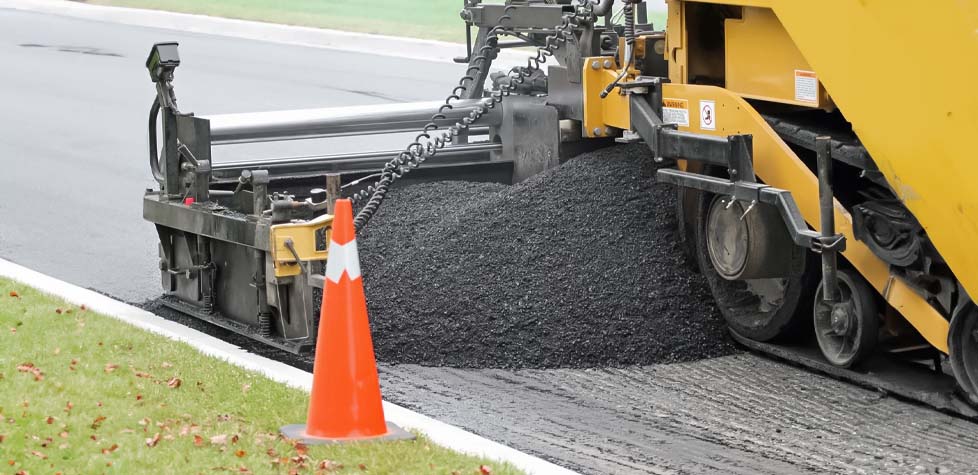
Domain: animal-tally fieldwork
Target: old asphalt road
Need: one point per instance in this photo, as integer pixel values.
(73, 167)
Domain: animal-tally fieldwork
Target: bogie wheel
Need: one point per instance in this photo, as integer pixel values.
(962, 342)
(761, 309)
(847, 330)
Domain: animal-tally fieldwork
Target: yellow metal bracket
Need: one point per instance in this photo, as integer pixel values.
(294, 243)
(602, 115)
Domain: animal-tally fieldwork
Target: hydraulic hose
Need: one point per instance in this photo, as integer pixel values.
(629, 56)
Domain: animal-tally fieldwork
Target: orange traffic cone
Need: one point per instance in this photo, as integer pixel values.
(345, 403)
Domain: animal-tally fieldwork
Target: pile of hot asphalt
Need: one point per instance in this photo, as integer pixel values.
(576, 267)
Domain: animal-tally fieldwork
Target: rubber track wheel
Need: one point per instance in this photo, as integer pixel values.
(790, 319)
(855, 287)
(960, 352)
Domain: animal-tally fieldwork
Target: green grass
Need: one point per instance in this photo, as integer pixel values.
(84, 393)
(429, 19)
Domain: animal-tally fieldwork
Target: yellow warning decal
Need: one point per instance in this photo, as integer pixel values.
(806, 86)
(675, 111)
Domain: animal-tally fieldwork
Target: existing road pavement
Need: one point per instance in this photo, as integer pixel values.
(73, 167)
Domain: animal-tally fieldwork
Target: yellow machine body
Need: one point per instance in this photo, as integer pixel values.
(885, 65)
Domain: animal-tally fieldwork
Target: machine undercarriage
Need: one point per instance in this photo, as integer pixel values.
(809, 249)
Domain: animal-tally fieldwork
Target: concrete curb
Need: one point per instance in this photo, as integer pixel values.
(439, 432)
(411, 48)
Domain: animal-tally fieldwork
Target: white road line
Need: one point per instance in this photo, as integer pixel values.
(439, 432)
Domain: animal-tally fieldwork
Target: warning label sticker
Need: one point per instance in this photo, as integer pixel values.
(708, 115)
(806, 86)
(675, 111)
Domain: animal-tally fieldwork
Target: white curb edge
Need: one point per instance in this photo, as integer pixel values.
(439, 432)
(365, 43)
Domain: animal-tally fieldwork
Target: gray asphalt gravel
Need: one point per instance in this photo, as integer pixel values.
(73, 167)
(574, 267)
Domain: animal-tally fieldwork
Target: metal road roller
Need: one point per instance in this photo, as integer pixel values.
(826, 186)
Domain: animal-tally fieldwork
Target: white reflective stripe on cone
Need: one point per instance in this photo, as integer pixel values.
(342, 257)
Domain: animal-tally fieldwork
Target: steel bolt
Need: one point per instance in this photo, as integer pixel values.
(595, 65)
(607, 64)
(597, 131)
(607, 130)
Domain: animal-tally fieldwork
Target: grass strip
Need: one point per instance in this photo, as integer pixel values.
(85, 393)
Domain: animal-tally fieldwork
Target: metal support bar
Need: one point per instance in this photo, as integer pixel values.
(750, 192)
(333, 185)
(826, 205)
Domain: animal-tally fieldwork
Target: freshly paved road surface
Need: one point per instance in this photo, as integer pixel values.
(73, 167)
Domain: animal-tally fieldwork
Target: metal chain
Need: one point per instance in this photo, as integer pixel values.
(426, 146)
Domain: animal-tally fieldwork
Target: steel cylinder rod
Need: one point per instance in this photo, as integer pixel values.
(345, 161)
(336, 121)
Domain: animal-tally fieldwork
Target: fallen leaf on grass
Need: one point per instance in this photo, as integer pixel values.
(49, 420)
(244, 470)
(110, 367)
(139, 397)
(109, 450)
(30, 368)
(166, 365)
(329, 465)
(13, 330)
(245, 388)
(300, 461)
(39, 455)
(83, 308)
(142, 374)
(198, 441)
(58, 311)
(301, 448)
(362, 467)
(68, 407)
(63, 434)
(219, 439)
(98, 422)
(152, 441)
(14, 294)
(485, 470)
(174, 382)
(2, 438)
(240, 453)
